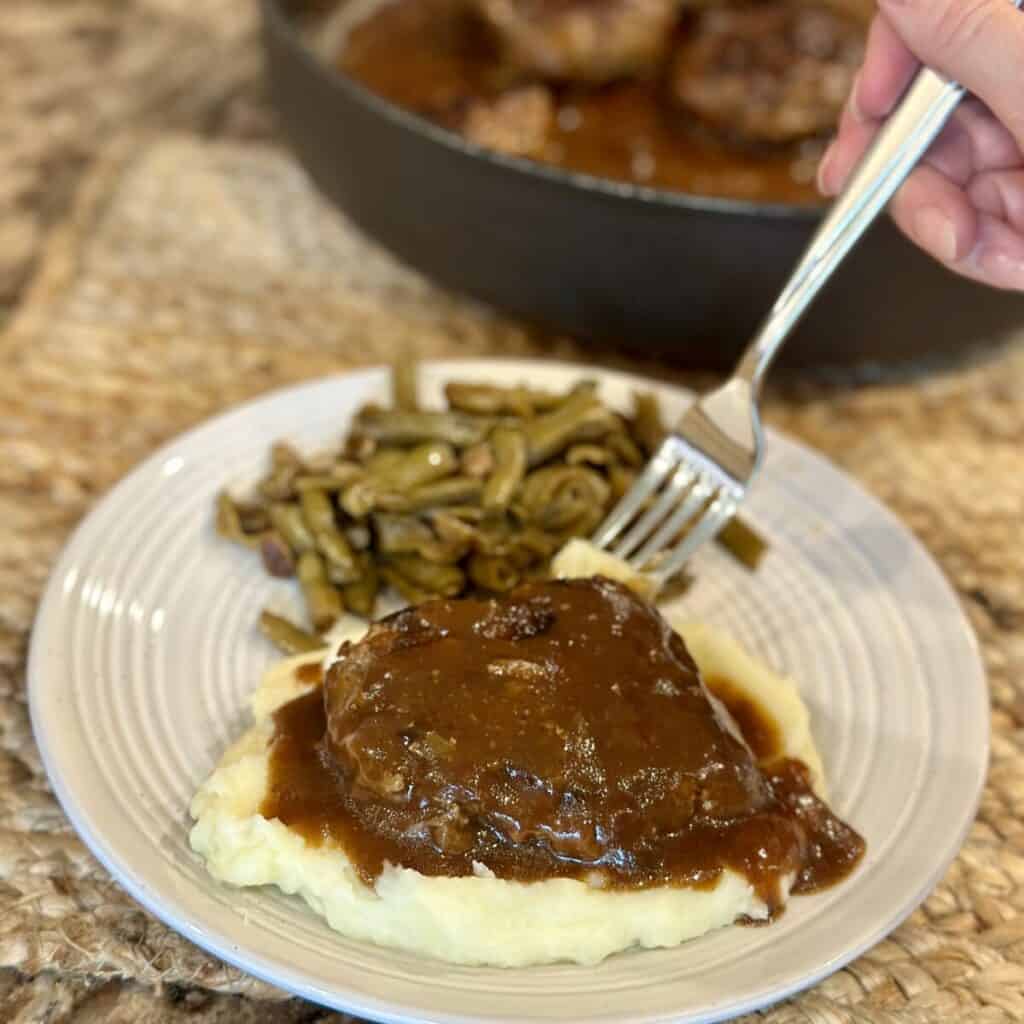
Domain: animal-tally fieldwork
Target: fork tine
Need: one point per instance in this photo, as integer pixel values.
(695, 500)
(680, 483)
(664, 462)
(719, 512)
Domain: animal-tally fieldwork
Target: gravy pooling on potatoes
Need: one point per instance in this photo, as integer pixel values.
(560, 731)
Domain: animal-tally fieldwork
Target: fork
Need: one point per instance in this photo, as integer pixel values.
(701, 473)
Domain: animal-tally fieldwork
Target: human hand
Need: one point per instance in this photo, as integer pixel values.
(964, 203)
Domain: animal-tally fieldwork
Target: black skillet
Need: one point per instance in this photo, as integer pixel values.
(663, 273)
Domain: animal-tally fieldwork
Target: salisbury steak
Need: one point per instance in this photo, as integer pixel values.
(562, 730)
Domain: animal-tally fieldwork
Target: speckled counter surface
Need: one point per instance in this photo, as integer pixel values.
(129, 318)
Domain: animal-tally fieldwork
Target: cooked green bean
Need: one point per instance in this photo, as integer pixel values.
(317, 510)
(285, 466)
(625, 448)
(478, 460)
(290, 523)
(342, 566)
(494, 400)
(556, 495)
(357, 498)
(396, 426)
(421, 465)
(322, 600)
(334, 479)
(361, 596)
(382, 460)
(589, 455)
(509, 467)
(479, 496)
(403, 384)
(277, 556)
(359, 536)
(454, 491)
(445, 580)
(492, 573)
(620, 480)
(648, 428)
(580, 418)
(412, 593)
(286, 636)
(743, 542)
(253, 518)
(228, 522)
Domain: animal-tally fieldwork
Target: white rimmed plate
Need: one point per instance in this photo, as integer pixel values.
(145, 649)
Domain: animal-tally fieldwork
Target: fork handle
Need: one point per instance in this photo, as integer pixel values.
(902, 140)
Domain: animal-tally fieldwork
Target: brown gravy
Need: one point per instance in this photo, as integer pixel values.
(428, 57)
(572, 738)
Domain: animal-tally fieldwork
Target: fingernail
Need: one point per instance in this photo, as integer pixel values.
(825, 170)
(936, 232)
(854, 102)
(1005, 270)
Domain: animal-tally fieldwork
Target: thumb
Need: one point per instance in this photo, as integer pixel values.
(980, 43)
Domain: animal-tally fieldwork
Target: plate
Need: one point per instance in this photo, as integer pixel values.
(145, 649)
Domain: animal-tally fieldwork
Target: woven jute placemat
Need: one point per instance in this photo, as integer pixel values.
(194, 275)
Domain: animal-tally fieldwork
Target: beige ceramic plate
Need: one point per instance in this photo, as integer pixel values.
(145, 650)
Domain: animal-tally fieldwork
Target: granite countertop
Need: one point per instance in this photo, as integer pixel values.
(123, 321)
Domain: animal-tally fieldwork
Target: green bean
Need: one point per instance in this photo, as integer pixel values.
(403, 384)
(399, 535)
(322, 600)
(285, 466)
(412, 593)
(539, 543)
(580, 418)
(317, 510)
(277, 556)
(589, 455)
(446, 580)
(286, 636)
(342, 566)
(289, 522)
(422, 465)
(493, 400)
(361, 596)
(254, 518)
(625, 448)
(620, 480)
(478, 461)
(509, 467)
(492, 573)
(357, 498)
(743, 542)
(556, 495)
(383, 460)
(228, 522)
(399, 427)
(334, 479)
(454, 491)
(648, 428)
(359, 536)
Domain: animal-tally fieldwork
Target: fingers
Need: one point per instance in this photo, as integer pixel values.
(982, 242)
(1000, 194)
(886, 72)
(936, 214)
(973, 142)
(977, 42)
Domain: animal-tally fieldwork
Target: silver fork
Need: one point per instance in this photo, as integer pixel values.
(701, 473)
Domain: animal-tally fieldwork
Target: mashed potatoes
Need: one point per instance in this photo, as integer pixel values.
(482, 919)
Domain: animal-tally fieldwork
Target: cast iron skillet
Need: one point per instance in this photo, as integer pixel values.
(670, 274)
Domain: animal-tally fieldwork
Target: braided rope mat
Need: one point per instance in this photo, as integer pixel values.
(193, 275)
